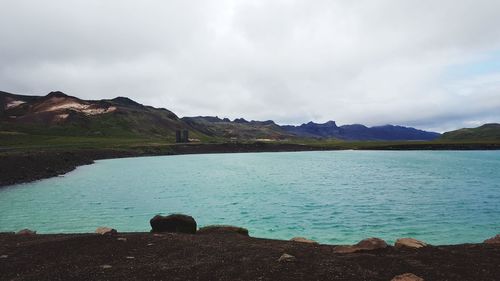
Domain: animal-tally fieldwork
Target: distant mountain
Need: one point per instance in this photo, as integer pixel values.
(60, 114)
(359, 132)
(240, 128)
(485, 132)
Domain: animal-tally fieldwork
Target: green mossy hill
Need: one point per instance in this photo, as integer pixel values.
(486, 132)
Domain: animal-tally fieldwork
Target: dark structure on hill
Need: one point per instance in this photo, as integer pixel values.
(181, 136)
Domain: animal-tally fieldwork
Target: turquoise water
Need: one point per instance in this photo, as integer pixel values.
(442, 197)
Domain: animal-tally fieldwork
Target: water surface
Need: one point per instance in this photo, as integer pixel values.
(442, 197)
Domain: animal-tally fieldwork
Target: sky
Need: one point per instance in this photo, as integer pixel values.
(429, 64)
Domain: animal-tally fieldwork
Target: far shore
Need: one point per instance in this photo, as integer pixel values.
(26, 165)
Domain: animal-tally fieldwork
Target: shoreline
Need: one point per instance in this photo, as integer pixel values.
(230, 256)
(23, 166)
(27, 166)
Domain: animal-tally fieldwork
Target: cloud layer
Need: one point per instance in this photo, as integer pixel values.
(430, 64)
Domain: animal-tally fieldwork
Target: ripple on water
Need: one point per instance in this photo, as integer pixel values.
(333, 197)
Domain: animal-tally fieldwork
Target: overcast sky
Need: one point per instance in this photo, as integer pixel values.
(424, 63)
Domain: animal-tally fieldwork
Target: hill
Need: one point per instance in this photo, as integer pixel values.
(61, 114)
(239, 129)
(486, 132)
(58, 114)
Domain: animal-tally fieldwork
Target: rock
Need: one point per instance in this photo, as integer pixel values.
(409, 243)
(106, 266)
(286, 258)
(493, 240)
(173, 223)
(303, 240)
(4, 256)
(223, 229)
(367, 244)
(130, 258)
(26, 232)
(407, 277)
(106, 231)
(122, 239)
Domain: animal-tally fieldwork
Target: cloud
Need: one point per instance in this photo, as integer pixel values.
(371, 62)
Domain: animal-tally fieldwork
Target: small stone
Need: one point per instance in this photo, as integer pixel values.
(286, 258)
(106, 231)
(367, 244)
(26, 232)
(493, 240)
(303, 240)
(150, 244)
(122, 239)
(130, 258)
(106, 266)
(4, 256)
(409, 243)
(407, 277)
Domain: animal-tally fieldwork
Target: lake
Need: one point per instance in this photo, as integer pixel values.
(335, 197)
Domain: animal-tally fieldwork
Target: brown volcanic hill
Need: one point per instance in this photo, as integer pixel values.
(61, 114)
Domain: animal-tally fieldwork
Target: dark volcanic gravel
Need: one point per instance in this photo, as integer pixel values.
(144, 256)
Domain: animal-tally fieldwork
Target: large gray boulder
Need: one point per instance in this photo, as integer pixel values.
(173, 223)
(303, 240)
(409, 243)
(26, 232)
(103, 230)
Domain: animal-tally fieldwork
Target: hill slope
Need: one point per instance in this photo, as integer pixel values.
(239, 129)
(486, 132)
(60, 114)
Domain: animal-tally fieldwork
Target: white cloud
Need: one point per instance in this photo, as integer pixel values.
(371, 62)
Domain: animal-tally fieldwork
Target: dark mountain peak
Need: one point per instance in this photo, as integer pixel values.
(354, 126)
(490, 126)
(329, 124)
(211, 119)
(240, 120)
(57, 94)
(125, 101)
(265, 123)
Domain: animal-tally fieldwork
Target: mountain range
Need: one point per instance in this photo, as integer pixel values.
(61, 114)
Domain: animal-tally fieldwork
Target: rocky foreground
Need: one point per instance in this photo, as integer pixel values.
(170, 252)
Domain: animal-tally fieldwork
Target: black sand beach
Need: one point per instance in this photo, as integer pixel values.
(229, 256)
